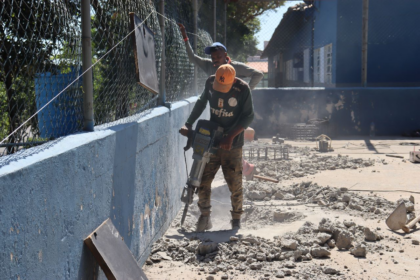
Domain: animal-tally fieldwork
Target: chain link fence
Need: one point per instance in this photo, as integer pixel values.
(40, 55)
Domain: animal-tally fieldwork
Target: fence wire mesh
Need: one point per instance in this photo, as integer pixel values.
(40, 54)
(116, 92)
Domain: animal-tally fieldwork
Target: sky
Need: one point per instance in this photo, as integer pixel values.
(269, 21)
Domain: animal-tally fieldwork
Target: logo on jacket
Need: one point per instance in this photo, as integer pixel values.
(221, 113)
(232, 102)
(220, 103)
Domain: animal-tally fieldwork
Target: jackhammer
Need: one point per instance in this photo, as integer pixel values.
(205, 141)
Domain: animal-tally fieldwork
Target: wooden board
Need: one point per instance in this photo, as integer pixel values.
(143, 44)
(112, 254)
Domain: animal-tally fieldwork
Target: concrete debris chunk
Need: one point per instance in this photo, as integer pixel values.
(242, 257)
(289, 196)
(320, 252)
(289, 264)
(280, 216)
(155, 258)
(370, 235)
(329, 270)
(289, 244)
(331, 243)
(323, 237)
(287, 272)
(349, 224)
(359, 251)
(415, 242)
(411, 199)
(256, 195)
(279, 195)
(344, 240)
(325, 225)
(234, 238)
(213, 270)
(307, 228)
(256, 266)
(279, 274)
(206, 248)
(251, 240)
(164, 256)
(261, 257)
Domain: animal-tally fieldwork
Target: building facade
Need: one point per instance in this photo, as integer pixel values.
(319, 44)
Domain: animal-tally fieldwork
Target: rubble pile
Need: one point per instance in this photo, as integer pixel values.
(333, 198)
(280, 257)
(309, 165)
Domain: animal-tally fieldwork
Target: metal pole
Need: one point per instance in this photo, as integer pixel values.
(195, 12)
(365, 41)
(162, 88)
(225, 22)
(88, 121)
(214, 20)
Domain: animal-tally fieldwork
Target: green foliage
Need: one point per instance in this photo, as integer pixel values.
(242, 24)
(32, 33)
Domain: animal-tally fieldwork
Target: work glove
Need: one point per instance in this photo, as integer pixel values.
(182, 29)
(185, 130)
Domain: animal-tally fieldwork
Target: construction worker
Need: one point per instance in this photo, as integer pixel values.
(219, 56)
(232, 108)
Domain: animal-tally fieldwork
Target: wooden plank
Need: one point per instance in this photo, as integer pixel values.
(266, 179)
(112, 254)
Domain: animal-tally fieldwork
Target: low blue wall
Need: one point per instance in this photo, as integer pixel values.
(132, 172)
(350, 110)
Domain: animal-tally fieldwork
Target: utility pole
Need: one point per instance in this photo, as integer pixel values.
(162, 88)
(214, 20)
(88, 121)
(365, 28)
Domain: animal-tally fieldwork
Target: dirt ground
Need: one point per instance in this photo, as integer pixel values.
(389, 178)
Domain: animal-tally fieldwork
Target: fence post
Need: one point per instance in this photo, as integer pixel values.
(162, 88)
(225, 22)
(88, 121)
(195, 12)
(214, 20)
(365, 41)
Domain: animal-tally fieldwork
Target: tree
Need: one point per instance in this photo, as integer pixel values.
(31, 33)
(248, 10)
(242, 23)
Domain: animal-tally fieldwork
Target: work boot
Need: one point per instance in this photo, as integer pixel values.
(203, 224)
(236, 223)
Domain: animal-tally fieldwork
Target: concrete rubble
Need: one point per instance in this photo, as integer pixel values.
(282, 255)
(312, 193)
(306, 163)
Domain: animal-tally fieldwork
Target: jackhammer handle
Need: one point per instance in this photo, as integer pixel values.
(189, 141)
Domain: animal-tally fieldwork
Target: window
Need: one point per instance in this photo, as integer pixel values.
(328, 64)
(317, 66)
(323, 63)
(306, 66)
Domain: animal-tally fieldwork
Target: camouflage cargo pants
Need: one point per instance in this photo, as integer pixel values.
(231, 162)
